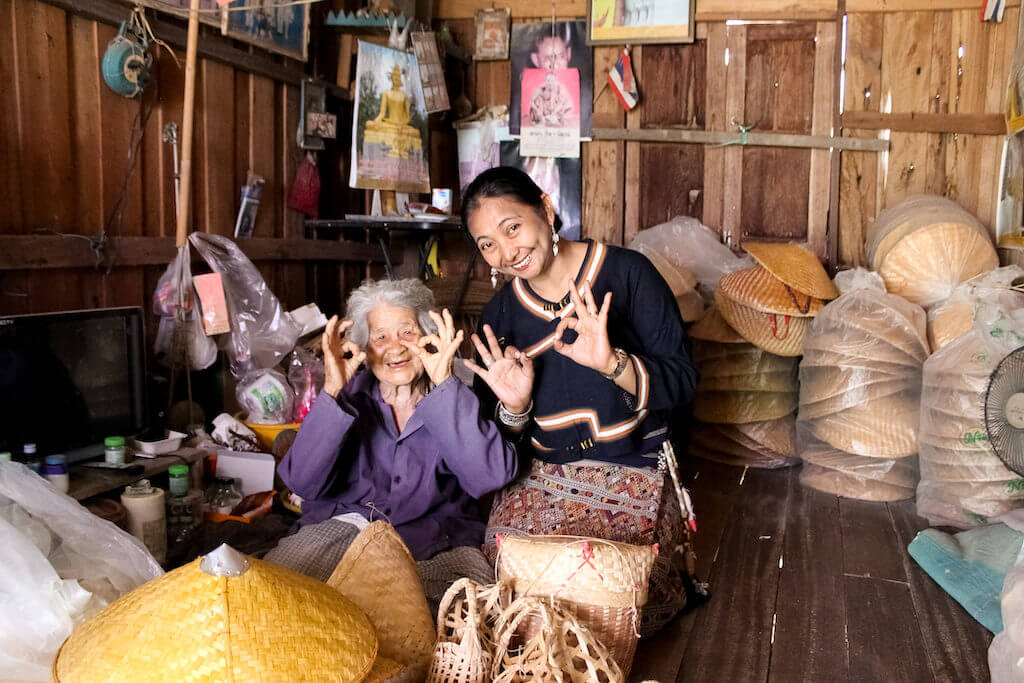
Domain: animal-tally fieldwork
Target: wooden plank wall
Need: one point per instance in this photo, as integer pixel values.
(77, 158)
(783, 77)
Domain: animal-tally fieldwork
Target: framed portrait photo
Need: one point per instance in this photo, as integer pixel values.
(279, 27)
(491, 34)
(639, 21)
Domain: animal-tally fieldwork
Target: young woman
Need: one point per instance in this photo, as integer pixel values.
(585, 354)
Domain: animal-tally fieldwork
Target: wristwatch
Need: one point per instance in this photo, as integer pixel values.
(620, 365)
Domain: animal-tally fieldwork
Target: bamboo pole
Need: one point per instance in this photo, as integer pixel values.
(188, 118)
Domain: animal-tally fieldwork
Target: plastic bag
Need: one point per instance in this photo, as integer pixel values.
(59, 564)
(266, 397)
(261, 331)
(690, 245)
(955, 316)
(306, 377)
(860, 387)
(180, 338)
(1006, 653)
(963, 482)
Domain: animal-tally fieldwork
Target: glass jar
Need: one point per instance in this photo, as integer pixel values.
(178, 478)
(223, 496)
(56, 470)
(113, 450)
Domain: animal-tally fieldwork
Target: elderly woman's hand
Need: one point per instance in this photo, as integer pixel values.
(341, 357)
(438, 363)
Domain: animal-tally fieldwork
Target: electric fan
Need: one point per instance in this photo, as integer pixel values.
(1004, 410)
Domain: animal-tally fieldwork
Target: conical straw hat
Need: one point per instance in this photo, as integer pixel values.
(769, 381)
(712, 327)
(912, 214)
(849, 346)
(926, 265)
(894, 471)
(852, 398)
(758, 289)
(728, 434)
(230, 617)
(886, 426)
(782, 335)
(778, 435)
(753, 457)
(795, 266)
(940, 508)
(742, 406)
(748, 360)
(1009, 489)
(949, 321)
(879, 330)
(981, 471)
(756, 460)
(379, 575)
(850, 485)
(680, 279)
(821, 383)
(691, 306)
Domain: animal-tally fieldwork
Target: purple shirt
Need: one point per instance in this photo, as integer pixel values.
(349, 457)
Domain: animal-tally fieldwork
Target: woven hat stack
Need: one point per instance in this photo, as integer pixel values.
(680, 279)
(926, 245)
(223, 617)
(963, 482)
(745, 399)
(954, 317)
(860, 385)
(771, 305)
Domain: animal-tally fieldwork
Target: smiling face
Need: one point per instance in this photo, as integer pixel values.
(551, 53)
(513, 237)
(389, 361)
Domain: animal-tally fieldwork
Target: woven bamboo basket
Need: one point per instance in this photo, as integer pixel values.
(735, 407)
(712, 327)
(782, 335)
(794, 266)
(851, 486)
(466, 617)
(540, 641)
(758, 289)
(378, 574)
(223, 617)
(604, 583)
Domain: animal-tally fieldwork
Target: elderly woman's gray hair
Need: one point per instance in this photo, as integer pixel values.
(409, 293)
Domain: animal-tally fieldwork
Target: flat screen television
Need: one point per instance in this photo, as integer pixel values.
(68, 380)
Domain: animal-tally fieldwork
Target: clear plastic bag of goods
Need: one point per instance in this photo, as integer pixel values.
(860, 377)
(306, 377)
(688, 244)
(866, 477)
(1006, 653)
(266, 396)
(59, 565)
(963, 482)
(926, 245)
(262, 332)
(955, 316)
(766, 445)
(180, 338)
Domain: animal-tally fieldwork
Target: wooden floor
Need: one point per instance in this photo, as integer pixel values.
(808, 586)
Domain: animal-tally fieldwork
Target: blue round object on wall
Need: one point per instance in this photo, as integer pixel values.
(126, 64)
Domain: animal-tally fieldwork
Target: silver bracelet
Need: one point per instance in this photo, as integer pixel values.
(513, 419)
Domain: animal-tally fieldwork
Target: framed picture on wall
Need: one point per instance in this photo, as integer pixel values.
(491, 34)
(639, 21)
(279, 27)
(209, 11)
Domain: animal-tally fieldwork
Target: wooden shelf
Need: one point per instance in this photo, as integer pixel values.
(89, 481)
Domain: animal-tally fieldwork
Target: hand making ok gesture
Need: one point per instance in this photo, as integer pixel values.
(591, 348)
(437, 363)
(341, 357)
(508, 373)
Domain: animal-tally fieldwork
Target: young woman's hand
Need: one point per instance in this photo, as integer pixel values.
(591, 348)
(438, 363)
(341, 357)
(508, 373)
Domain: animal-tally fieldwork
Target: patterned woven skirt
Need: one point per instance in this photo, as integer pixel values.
(599, 500)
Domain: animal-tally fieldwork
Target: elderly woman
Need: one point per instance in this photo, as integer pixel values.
(402, 439)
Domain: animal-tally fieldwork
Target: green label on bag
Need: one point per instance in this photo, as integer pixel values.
(973, 437)
(1015, 485)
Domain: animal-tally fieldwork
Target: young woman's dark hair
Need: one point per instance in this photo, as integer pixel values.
(503, 181)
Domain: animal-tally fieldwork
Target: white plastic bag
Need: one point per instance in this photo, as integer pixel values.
(266, 396)
(180, 338)
(1006, 653)
(261, 331)
(59, 564)
(954, 317)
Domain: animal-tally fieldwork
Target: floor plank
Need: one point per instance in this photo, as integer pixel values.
(870, 546)
(955, 644)
(810, 625)
(732, 633)
(885, 641)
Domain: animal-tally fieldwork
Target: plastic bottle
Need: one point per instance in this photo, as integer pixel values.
(5, 456)
(56, 470)
(178, 477)
(147, 519)
(28, 455)
(113, 450)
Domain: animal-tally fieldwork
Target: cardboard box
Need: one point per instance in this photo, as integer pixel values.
(255, 471)
(210, 289)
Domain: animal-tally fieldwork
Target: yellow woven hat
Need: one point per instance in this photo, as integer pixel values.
(851, 485)
(851, 346)
(768, 381)
(758, 289)
(712, 327)
(727, 439)
(795, 266)
(731, 453)
(223, 617)
(734, 407)
(883, 427)
(691, 306)
(779, 436)
(782, 335)
(897, 471)
(981, 470)
(379, 575)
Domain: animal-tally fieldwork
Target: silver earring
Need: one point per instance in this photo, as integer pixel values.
(554, 241)
(494, 278)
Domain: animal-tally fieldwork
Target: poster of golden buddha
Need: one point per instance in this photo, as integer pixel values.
(389, 122)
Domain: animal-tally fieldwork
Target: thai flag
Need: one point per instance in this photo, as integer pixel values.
(992, 10)
(622, 81)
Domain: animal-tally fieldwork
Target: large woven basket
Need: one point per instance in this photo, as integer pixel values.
(782, 335)
(794, 266)
(466, 618)
(245, 620)
(603, 583)
(758, 289)
(379, 575)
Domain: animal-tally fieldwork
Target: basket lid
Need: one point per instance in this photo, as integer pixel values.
(794, 265)
(759, 289)
(233, 617)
